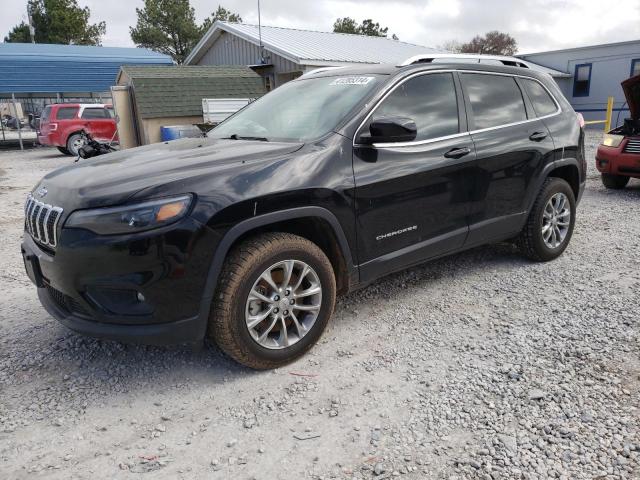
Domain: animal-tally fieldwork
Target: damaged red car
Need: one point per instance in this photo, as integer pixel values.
(618, 157)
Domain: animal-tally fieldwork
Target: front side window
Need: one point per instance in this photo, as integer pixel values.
(429, 100)
(95, 113)
(495, 100)
(582, 80)
(635, 67)
(542, 102)
(66, 113)
(300, 110)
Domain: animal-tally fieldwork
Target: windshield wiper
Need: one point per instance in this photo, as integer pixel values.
(235, 136)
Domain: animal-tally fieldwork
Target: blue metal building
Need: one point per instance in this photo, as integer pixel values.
(45, 70)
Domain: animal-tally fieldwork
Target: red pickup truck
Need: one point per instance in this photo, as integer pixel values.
(61, 125)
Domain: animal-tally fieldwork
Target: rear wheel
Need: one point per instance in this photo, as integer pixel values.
(275, 296)
(614, 182)
(63, 150)
(550, 224)
(74, 143)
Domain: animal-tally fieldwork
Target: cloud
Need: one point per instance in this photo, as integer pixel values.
(536, 24)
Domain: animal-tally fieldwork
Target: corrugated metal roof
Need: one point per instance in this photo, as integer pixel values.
(44, 68)
(178, 91)
(307, 47)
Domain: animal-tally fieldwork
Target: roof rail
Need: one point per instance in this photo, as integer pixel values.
(464, 58)
(319, 70)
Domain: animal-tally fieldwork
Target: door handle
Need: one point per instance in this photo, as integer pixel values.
(457, 152)
(537, 136)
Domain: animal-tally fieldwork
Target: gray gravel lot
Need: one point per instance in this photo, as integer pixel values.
(482, 365)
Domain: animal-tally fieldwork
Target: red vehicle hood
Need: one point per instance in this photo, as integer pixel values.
(631, 89)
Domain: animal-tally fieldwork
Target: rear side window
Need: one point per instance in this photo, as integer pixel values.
(495, 100)
(95, 113)
(542, 102)
(430, 100)
(66, 113)
(44, 116)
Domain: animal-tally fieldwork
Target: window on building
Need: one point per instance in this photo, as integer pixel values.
(95, 113)
(495, 100)
(582, 80)
(429, 100)
(65, 113)
(635, 67)
(268, 83)
(542, 102)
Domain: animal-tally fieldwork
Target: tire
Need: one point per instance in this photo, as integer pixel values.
(532, 241)
(73, 144)
(243, 272)
(614, 182)
(63, 150)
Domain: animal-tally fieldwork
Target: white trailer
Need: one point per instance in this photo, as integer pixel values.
(215, 110)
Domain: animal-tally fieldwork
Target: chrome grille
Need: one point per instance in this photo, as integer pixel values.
(41, 221)
(632, 146)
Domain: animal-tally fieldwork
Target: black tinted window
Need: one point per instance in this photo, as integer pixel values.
(542, 102)
(95, 113)
(430, 100)
(65, 113)
(495, 100)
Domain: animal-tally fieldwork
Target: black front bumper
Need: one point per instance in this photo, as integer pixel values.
(189, 330)
(81, 283)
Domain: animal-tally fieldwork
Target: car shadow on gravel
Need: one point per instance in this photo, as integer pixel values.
(97, 366)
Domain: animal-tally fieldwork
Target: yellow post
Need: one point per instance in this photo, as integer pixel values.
(607, 122)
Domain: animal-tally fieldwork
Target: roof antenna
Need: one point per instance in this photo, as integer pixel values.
(260, 36)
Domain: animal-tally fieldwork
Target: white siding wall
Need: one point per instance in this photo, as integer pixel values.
(610, 65)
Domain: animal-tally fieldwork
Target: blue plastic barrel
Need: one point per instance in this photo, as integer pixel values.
(174, 132)
(170, 133)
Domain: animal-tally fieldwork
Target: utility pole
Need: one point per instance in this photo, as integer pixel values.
(32, 29)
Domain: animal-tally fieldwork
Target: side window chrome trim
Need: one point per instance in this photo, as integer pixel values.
(459, 134)
(418, 142)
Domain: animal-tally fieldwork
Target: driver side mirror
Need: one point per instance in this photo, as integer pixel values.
(390, 130)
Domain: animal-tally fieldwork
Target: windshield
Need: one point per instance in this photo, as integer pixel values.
(298, 111)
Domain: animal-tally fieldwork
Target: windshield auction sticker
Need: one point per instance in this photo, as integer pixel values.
(351, 81)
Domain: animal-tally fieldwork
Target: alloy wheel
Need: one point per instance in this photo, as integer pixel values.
(283, 304)
(556, 220)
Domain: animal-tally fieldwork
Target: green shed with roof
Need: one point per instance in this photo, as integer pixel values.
(147, 98)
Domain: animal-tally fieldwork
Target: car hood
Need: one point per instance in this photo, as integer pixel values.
(631, 89)
(112, 179)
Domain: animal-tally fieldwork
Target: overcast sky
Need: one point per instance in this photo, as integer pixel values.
(537, 25)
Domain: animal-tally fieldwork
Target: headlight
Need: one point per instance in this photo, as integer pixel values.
(132, 218)
(611, 140)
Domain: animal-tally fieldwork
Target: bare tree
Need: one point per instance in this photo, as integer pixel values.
(453, 46)
(492, 43)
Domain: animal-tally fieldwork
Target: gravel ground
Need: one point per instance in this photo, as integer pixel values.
(482, 365)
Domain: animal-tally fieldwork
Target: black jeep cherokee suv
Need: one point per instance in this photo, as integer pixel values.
(322, 186)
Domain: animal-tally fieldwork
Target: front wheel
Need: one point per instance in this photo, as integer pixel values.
(614, 182)
(550, 224)
(275, 296)
(63, 150)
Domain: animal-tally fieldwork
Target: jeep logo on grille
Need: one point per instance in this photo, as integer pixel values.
(42, 192)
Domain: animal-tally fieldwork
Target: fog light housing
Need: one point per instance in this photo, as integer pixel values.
(119, 301)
